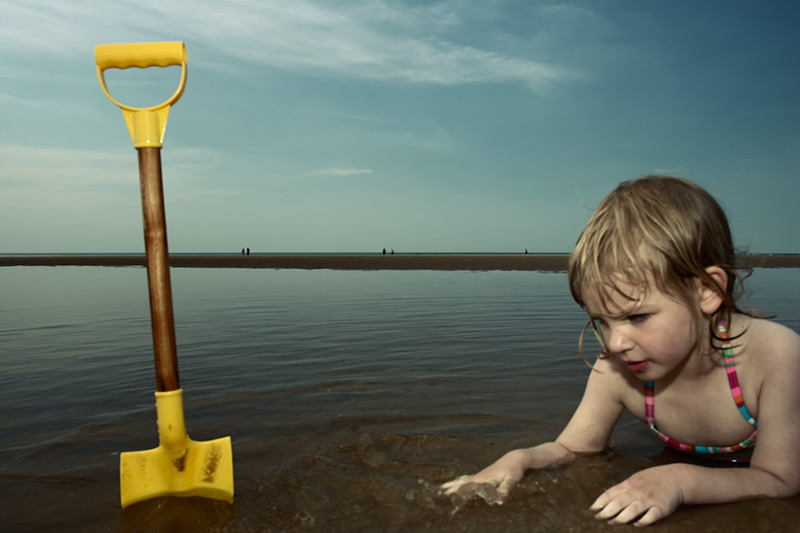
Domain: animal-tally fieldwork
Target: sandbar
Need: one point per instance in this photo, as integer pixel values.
(422, 261)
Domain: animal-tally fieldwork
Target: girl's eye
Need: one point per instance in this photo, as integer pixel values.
(638, 318)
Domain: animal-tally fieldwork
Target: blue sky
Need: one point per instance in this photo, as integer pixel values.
(348, 126)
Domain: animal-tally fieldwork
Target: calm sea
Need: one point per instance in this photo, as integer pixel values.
(348, 395)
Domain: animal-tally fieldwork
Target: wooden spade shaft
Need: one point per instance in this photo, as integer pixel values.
(158, 280)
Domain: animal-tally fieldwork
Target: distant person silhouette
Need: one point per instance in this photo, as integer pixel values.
(248, 251)
(384, 251)
(242, 251)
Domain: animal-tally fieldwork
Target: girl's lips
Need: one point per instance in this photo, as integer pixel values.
(636, 366)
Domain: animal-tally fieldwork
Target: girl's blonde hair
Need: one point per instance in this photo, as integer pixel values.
(664, 227)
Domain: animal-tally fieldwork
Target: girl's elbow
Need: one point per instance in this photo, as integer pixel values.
(790, 482)
(785, 490)
(783, 485)
(792, 487)
(574, 449)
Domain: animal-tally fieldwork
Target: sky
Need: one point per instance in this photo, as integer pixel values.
(349, 126)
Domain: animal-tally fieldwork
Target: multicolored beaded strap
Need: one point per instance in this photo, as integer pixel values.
(744, 449)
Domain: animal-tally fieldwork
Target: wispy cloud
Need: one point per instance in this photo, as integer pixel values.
(13, 101)
(372, 40)
(60, 166)
(664, 172)
(343, 171)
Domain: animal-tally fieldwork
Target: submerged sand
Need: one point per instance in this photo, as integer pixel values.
(540, 262)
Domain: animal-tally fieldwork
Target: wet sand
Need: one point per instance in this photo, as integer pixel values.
(481, 262)
(352, 474)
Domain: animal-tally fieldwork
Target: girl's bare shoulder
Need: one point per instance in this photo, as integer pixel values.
(769, 347)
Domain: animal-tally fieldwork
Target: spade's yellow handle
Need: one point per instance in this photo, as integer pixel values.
(147, 124)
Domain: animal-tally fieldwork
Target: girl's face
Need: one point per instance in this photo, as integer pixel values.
(652, 333)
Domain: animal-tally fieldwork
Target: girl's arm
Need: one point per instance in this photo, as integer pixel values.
(774, 470)
(587, 431)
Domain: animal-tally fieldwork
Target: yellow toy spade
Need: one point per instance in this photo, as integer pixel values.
(178, 466)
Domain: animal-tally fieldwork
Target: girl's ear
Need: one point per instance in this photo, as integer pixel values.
(709, 296)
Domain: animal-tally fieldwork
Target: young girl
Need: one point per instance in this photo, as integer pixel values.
(654, 269)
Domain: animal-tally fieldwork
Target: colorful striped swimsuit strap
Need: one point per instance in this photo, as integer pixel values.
(733, 379)
(742, 449)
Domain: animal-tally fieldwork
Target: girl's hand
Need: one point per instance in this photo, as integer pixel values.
(643, 498)
(500, 476)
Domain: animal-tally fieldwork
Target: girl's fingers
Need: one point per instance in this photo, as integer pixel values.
(629, 513)
(505, 488)
(453, 486)
(618, 507)
(623, 508)
(652, 515)
(604, 498)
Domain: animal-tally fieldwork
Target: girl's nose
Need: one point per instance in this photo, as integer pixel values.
(617, 341)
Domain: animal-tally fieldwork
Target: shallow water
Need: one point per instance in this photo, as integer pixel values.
(348, 395)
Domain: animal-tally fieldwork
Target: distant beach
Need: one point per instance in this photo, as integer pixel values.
(538, 262)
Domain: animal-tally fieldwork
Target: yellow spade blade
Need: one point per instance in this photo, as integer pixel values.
(179, 466)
